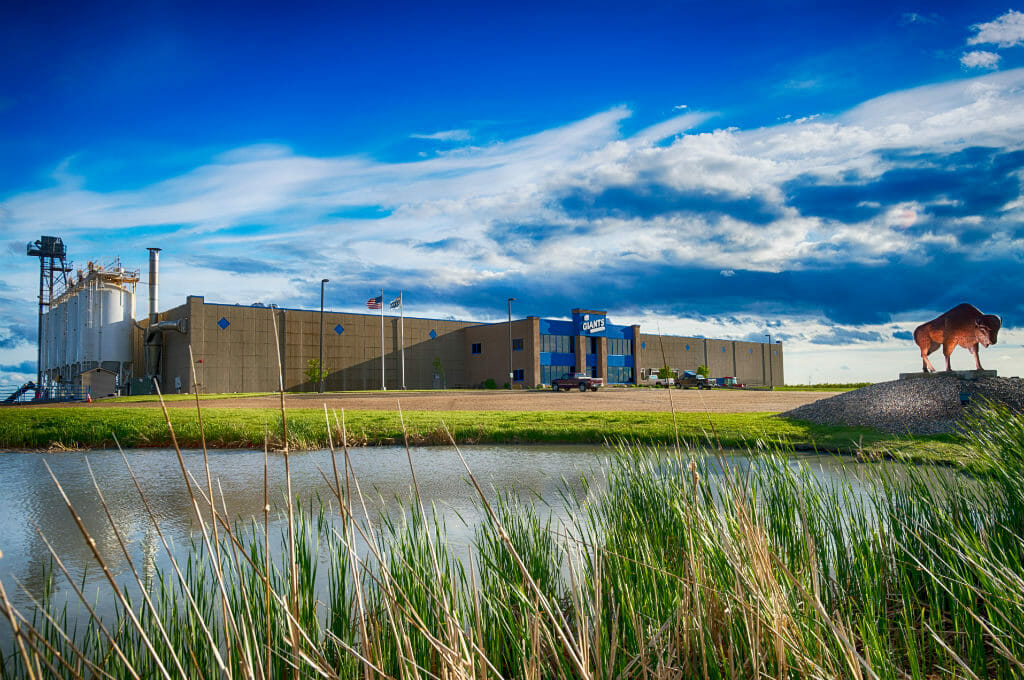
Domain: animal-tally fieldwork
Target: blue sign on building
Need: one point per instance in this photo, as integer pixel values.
(588, 323)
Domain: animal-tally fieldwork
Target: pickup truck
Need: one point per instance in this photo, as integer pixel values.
(654, 381)
(690, 379)
(580, 381)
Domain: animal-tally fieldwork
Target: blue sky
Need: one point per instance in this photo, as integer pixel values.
(833, 176)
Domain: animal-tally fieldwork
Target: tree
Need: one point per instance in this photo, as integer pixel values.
(314, 373)
(666, 372)
(703, 370)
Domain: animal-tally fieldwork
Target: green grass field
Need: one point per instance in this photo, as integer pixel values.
(56, 428)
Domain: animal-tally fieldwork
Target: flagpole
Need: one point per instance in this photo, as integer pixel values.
(401, 325)
(382, 385)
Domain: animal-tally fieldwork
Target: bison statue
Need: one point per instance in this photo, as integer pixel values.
(963, 325)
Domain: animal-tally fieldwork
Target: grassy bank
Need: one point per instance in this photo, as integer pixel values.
(54, 428)
(677, 569)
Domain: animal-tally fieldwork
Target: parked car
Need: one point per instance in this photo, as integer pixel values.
(580, 381)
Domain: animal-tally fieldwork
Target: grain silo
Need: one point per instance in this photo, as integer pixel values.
(89, 325)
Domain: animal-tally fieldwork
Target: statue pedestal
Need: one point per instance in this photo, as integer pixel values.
(962, 375)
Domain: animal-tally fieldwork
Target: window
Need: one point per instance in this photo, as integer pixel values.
(476, 348)
(555, 343)
(549, 373)
(620, 346)
(593, 345)
(517, 344)
(619, 375)
(518, 374)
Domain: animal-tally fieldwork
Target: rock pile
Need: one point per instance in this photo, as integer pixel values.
(929, 405)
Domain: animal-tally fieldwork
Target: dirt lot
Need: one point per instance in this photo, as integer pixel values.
(715, 401)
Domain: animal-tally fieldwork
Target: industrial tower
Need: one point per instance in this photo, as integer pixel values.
(53, 268)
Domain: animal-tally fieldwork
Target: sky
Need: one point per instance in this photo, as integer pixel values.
(832, 176)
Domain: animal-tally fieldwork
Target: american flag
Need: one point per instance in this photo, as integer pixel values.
(375, 302)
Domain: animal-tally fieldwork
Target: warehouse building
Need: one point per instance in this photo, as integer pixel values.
(90, 337)
(235, 348)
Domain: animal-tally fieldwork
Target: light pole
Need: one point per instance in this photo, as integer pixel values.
(510, 301)
(771, 376)
(320, 367)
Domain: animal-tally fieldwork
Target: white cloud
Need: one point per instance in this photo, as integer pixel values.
(727, 273)
(446, 136)
(1006, 31)
(980, 59)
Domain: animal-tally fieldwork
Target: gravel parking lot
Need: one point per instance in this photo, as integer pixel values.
(607, 399)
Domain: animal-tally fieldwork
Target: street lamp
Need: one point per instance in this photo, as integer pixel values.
(510, 301)
(320, 367)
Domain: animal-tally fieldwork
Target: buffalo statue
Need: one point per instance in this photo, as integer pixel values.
(963, 325)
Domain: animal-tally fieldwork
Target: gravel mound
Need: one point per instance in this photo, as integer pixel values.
(926, 405)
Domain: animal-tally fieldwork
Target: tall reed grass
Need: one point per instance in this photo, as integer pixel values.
(684, 566)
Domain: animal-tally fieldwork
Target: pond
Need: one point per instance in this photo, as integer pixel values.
(552, 477)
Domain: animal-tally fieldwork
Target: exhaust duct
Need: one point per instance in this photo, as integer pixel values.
(154, 273)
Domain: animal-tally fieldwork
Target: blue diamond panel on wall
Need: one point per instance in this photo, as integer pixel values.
(433, 334)
(643, 345)
(223, 323)
(338, 329)
(687, 348)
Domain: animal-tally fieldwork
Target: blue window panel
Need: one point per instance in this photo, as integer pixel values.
(433, 334)
(620, 360)
(223, 323)
(618, 375)
(591, 360)
(556, 327)
(518, 374)
(557, 359)
(338, 329)
(549, 373)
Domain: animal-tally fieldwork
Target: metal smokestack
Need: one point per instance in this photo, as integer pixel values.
(154, 272)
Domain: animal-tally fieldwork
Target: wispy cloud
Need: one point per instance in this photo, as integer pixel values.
(909, 18)
(446, 136)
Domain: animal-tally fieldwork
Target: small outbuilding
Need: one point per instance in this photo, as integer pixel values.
(98, 382)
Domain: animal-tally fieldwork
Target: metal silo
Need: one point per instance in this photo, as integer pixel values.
(90, 324)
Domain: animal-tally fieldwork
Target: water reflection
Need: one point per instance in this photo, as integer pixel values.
(31, 499)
